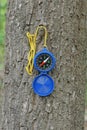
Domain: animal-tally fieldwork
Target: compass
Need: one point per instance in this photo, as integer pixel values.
(44, 61)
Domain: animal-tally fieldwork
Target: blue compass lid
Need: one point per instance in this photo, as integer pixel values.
(43, 85)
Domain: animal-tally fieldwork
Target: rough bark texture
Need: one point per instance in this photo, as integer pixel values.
(66, 24)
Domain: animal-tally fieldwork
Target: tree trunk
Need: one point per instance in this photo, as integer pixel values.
(66, 24)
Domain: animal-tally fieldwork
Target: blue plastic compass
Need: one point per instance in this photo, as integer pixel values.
(44, 61)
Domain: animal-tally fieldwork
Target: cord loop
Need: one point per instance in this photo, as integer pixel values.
(32, 42)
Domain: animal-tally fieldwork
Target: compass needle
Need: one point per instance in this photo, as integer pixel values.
(44, 62)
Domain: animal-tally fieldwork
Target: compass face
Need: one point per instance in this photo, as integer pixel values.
(44, 61)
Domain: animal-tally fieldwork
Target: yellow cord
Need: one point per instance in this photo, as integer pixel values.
(45, 38)
(32, 42)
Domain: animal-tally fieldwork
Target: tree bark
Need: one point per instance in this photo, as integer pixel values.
(66, 24)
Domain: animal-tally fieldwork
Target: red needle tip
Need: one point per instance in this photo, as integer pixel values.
(42, 63)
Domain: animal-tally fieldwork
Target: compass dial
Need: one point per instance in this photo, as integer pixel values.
(44, 61)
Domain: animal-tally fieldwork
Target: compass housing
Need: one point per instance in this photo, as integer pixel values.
(51, 59)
